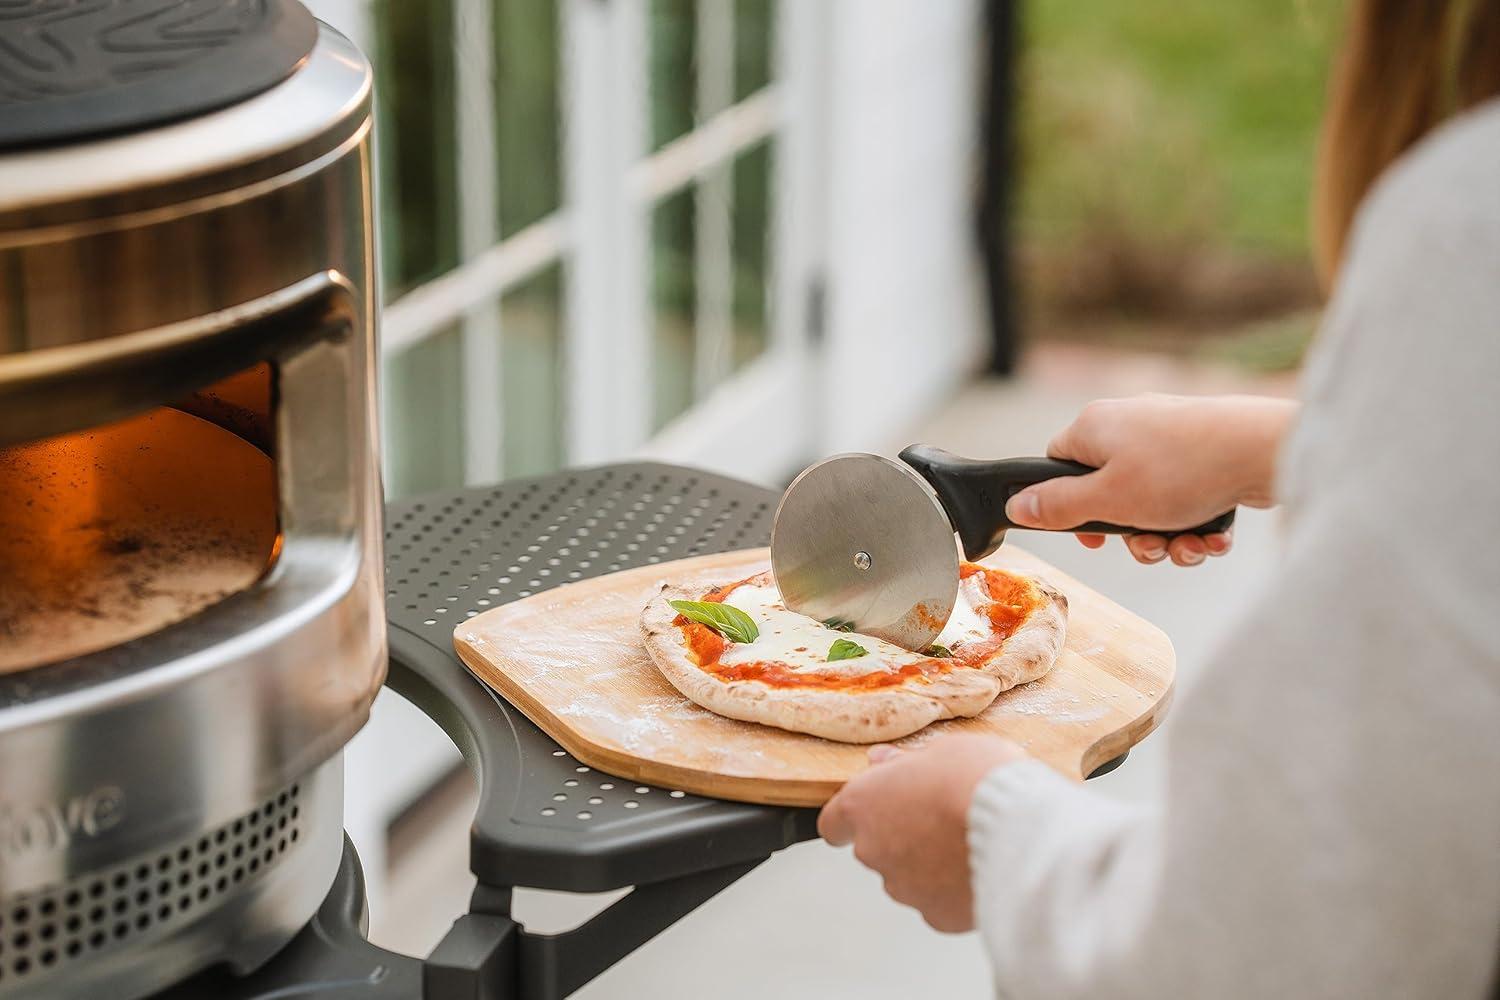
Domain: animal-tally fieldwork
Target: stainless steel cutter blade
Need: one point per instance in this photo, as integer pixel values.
(863, 541)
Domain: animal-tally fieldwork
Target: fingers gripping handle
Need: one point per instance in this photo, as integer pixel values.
(974, 493)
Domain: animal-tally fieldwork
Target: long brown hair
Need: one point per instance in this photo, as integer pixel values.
(1405, 66)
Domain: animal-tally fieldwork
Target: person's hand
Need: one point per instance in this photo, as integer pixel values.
(1165, 463)
(907, 817)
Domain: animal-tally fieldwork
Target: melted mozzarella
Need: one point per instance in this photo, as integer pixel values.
(967, 622)
(802, 643)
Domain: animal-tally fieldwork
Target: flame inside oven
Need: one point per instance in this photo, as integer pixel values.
(115, 532)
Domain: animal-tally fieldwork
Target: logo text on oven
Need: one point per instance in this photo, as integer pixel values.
(52, 826)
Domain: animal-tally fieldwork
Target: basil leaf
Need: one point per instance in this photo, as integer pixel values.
(839, 625)
(846, 649)
(938, 651)
(730, 622)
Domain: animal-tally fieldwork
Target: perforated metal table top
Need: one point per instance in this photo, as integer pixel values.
(544, 820)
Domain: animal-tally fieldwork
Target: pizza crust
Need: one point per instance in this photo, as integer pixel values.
(857, 716)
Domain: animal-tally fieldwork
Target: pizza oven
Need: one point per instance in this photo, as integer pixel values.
(191, 619)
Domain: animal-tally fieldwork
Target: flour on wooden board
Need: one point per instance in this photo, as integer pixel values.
(628, 731)
(650, 721)
(1040, 698)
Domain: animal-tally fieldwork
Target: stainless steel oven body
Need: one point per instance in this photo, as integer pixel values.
(174, 798)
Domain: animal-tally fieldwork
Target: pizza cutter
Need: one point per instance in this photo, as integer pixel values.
(867, 542)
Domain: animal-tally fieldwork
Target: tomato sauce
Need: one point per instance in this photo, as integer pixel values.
(717, 595)
(705, 646)
(1014, 599)
(782, 676)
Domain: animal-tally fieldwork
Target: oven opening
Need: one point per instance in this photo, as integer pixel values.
(112, 533)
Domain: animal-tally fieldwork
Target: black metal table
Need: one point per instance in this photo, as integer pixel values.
(543, 819)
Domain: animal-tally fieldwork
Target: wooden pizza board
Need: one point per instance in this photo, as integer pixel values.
(571, 659)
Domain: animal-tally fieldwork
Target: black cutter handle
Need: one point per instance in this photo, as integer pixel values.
(974, 493)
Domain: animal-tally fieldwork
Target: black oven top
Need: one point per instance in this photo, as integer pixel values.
(77, 69)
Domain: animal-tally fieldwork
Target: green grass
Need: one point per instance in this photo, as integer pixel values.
(1172, 121)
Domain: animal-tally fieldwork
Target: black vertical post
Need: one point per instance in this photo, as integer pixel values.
(997, 181)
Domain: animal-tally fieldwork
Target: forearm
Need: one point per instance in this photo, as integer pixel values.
(1061, 905)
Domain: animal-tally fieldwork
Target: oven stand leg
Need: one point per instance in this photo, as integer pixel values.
(475, 960)
(488, 956)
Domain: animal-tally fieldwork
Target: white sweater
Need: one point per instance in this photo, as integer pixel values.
(1330, 825)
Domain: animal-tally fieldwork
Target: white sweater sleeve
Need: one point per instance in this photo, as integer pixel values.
(1330, 825)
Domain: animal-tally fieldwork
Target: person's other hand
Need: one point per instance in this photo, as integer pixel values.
(907, 817)
(1165, 462)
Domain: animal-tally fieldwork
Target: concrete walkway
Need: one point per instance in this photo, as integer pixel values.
(811, 922)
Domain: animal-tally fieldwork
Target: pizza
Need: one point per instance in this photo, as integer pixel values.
(736, 650)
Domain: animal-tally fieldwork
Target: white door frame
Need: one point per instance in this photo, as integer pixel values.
(601, 232)
(759, 423)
